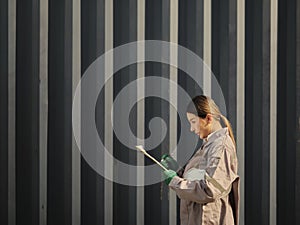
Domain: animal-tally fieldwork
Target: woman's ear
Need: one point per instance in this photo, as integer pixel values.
(209, 118)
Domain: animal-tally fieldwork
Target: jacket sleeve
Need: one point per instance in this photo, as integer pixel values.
(220, 173)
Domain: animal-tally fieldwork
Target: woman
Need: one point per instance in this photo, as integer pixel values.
(209, 186)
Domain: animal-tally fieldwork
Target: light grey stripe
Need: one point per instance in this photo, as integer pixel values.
(43, 109)
(240, 125)
(173, 109)
(273, 108)
(76, 75)
(108, 134)
(140, 217)
(207, 45)
(11, 112)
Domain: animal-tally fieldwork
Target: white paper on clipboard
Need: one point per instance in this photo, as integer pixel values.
(195, 174)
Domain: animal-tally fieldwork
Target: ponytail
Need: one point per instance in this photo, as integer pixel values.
(228, 125)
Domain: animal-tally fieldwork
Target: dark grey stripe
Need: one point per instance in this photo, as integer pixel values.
(224, 50)
(288, 159)
(257, 118)
(190, 35)
(59, 158)
(11, 112)
(43, 109)
(27, 112)
(297, 149)
(157, 26)
(92, 46)
(4, 112)
(125, 30)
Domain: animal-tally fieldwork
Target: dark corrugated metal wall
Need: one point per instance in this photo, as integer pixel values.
(92, 46)
(59, 152)
(257, 79)
(288, 189)
(26, 207)
(27, 112)
(4, 112)
(124, 31)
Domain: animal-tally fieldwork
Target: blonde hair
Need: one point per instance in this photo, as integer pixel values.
(203, 105)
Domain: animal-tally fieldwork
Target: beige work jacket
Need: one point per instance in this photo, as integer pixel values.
(209, 189)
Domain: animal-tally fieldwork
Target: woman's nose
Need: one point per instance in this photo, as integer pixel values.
(192, 129)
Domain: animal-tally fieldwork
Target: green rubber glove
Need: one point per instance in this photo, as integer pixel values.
(168, 176)
(168, 162)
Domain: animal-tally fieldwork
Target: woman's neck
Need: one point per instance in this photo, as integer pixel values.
(216, 126)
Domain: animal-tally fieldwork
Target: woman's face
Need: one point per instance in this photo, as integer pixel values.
(201, 127)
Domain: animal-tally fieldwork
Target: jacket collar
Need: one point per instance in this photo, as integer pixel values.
(214, 135)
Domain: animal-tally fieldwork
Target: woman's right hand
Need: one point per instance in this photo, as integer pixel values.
(168, 176)
(168, 162)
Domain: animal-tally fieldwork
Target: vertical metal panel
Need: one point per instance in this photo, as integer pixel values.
(220, 47)
(297, 94)
(258, 111)
(286, 113)
(158, 28)
(273, 108)
(191, 36)
(240, 107)
(140, 203)
(43, 109)
(4, 112)
(92, 46)
(224, 37)
(125, 30)
(191, 25)
(59, 189)
(76, 75)
(11, 112)
(27, 112)
(228, 66)
(207, 17)
(108, 211)
(265, 142)
(232, 64)
(172, 108)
